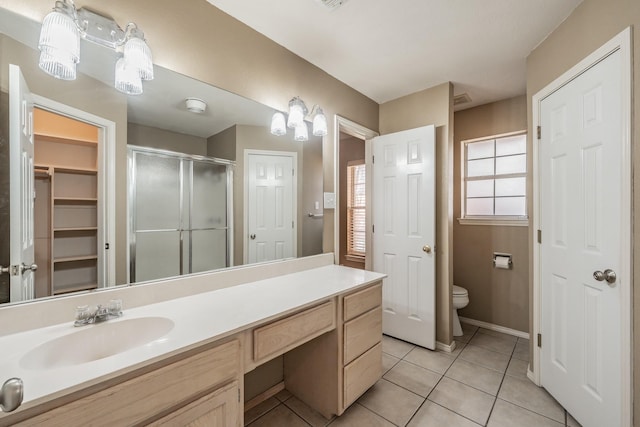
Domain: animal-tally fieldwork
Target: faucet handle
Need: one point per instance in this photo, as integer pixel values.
(83, 315)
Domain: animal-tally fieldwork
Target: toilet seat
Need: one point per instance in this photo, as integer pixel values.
(459, 291)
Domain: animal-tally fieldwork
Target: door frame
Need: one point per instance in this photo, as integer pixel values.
(106, 178)
(622, 43)
(245, 211)
(354, 129)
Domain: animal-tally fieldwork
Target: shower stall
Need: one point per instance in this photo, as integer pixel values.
(180, 213)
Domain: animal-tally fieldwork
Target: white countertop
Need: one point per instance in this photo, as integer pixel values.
(199, 319)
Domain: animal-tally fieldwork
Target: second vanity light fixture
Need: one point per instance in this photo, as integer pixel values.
(297, 112)
(59, 45)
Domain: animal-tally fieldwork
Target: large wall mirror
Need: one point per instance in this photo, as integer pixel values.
(135, 188)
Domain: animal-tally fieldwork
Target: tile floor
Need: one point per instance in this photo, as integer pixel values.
(482, 383)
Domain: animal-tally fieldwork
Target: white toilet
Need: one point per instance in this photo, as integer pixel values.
(460, 300)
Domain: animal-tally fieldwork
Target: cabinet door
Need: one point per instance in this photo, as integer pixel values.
(217, 409)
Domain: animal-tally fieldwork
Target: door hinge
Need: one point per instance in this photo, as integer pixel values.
(539, 130)
(292, 226)
(373, 228)
(238, 395)
(540, 236)
(293, 172)
(373, 159)
(539, 340)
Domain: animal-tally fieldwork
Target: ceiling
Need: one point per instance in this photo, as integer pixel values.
(387, 49)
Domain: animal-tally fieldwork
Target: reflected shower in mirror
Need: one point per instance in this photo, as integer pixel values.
(96, 211)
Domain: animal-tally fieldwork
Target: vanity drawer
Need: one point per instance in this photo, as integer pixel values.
(143, 397)
(362, 373)
(362, 333)
(283, 335)
(362, 301)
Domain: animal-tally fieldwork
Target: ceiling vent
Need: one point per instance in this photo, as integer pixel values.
(463, 98)
(332, 4)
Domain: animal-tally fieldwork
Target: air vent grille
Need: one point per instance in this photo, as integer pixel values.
(332, 4)
(463, 98)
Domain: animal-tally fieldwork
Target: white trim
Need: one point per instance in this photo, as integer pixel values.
(496, 221)
(354, 129)
(106, 179)
(446, 348)
(496, 328)
(621, 42)
(245, 215)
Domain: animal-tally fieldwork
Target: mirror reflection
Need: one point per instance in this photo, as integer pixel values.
(181, 179)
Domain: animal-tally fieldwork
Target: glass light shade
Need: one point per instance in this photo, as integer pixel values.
(319, 123)
(127, 78)
(302, 133)
(59, 44)
(297, 111)
(278, 126)
(138, 55)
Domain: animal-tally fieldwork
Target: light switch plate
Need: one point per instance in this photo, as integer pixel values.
(329, 200)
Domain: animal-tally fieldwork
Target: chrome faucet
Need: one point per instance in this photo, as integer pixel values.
(84, 316)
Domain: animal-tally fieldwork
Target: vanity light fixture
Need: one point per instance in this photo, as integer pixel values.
(297, 113)
(59, 45)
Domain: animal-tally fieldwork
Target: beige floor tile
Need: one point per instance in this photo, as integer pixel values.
(468, 331)
(476, 376)
(260, 409)
(487, 358)
(391, 402)
(395, 347)
(308, 414)
(571, 422)
(505, 414)
(388, 362)
(522, 349)
(359, 416)
(283, 395)
(501, 344)
(434, 415)
(278, 417)
(435, 361)
(463, 400)
(414, 378)
(526, 394)
(518, 368)
(459, 347)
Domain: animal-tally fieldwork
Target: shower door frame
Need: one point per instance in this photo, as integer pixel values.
(131, 209)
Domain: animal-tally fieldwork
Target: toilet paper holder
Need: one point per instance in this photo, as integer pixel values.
(502, 260)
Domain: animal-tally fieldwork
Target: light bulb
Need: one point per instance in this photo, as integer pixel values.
(59, 44)
(302, 133)
(278, 126)
(297, 111)
(138, 55)
(127, 78)
(319, 123)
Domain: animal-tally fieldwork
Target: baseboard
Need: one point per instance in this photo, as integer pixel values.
(496, 328)
(446, 348)
(531, 376)
(264, 396)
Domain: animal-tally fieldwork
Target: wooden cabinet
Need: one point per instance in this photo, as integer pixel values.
(362, 342)
(218, 409)
(171, 392)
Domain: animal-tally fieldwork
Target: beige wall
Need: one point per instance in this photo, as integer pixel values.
(496, 296)
(146, 136)
(433, 106)
(592, 24)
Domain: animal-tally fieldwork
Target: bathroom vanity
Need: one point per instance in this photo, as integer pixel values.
(326, 322)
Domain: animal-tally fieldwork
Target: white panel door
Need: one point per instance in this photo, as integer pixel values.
(404, 232)
(270, 206)
(580, 157)
(22, 191)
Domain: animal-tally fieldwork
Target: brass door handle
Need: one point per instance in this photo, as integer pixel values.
(426, 248)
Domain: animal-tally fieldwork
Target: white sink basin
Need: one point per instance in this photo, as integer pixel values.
(96, 342)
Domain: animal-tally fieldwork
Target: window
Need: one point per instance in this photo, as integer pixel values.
(495, 179)
(356, 204)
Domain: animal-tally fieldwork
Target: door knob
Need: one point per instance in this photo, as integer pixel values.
(24, 267)
(426, 248)
(253, 237)
(608, 275)
(5, 269)
(11, 394)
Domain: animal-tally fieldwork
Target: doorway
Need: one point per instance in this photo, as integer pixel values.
(582, 273)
